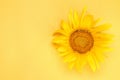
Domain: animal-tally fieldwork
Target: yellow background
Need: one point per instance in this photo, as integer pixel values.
(26, 28)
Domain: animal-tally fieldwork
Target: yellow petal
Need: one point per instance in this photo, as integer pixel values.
(76, 20)
(73, 19)
(65, 26)
(98, 20)
(64, 53)
(101, 27)
(60, 32)
(96, 61)
(70, 16)
(102, 41)
(100, 57)
(88, 21)
(61, 49)
(102, 36)
(71, 65)
(99, 53)
(69, 58)
(80, 63)
(91, 62)
(101, 45)
(103, 49)
(60, 40)
(82, 15)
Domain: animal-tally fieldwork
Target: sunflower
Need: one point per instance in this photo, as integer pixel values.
(81, 41)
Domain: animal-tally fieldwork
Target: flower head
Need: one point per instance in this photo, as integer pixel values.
(79, 41)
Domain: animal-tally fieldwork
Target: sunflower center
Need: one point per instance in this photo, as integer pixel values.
(81, 41)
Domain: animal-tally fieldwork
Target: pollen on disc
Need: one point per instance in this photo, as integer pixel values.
(81, 41)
